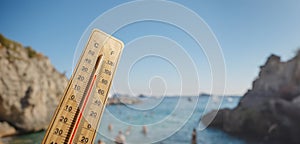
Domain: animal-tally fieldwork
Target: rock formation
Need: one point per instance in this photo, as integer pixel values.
(270, 111)
(119, 99)
(30, 88)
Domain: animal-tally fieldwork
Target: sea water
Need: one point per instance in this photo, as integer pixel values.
(167, 120)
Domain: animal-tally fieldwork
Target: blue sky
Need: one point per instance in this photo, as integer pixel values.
(248, 32)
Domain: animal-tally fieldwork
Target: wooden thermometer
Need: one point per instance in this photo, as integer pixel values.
(78, 114)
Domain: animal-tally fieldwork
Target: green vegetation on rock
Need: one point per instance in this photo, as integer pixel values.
(8, 43)
(30, 52)
(15, 47)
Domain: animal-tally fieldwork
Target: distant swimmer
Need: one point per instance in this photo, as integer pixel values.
(194, 136)
(120, 138)
(110, 127)
(128, 130)
(145, 130)
(101, 142)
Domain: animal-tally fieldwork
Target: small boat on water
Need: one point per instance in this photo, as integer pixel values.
(229, 99)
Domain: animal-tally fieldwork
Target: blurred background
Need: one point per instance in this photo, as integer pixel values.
(259, 42)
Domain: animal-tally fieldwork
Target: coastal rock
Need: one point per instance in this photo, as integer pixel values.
(6, 129)
(118, 99)
(30, 87)
(270, 111)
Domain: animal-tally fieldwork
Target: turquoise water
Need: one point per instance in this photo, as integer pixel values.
(168, 120)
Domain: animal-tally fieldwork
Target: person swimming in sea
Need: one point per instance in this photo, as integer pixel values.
(127, 132)
(120, 138)
(101, 142)
(110, 127)
(194, 136)
(145, 130)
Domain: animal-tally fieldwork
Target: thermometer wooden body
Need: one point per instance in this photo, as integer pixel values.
(78, 114)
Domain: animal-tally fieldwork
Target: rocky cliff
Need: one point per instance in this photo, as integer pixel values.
(30, 88)
(270, 111)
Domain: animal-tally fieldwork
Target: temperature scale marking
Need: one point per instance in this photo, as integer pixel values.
(78, 114)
